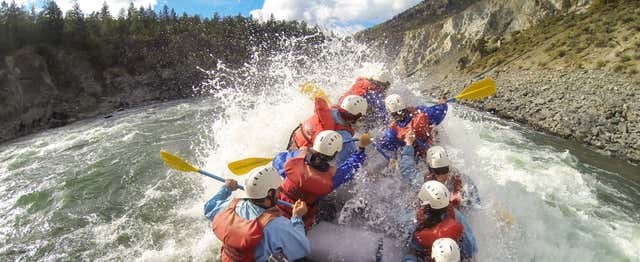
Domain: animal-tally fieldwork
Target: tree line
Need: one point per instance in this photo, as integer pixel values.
(108, 39)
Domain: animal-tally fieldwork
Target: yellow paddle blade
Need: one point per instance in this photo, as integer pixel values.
(477, 90)
(243, 166)
(503, 216)
(176, 162)
(478, 85)
(313, 91)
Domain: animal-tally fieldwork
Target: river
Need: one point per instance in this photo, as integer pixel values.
(97, 189)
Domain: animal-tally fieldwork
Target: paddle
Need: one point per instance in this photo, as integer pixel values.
(477, 90)
(179, 164)
(312, 90)
(242, 166)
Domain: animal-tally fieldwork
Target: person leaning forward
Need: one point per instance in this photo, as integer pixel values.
(250, 227)
(309, 176)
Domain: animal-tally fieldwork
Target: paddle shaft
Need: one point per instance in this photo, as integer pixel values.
(374, 145)
(422, 144)
(239, 186)
(377, 147)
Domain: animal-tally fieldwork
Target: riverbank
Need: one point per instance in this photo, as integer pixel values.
(597, 108)
(44, 87)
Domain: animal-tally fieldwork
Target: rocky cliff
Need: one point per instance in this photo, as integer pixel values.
(432, 36)
(568, 68)
(43, 87)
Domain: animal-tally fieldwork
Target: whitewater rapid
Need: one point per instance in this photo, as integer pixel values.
(97, 190)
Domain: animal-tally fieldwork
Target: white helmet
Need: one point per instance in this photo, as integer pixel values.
(384, 76)
(354, 104)
(328, 142)
(435, 194)
(260, 180)
(445, 250)
(437, 157)
(394, 103)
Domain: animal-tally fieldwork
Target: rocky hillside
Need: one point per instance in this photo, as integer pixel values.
(568, 68)
(604, 37)
(43, 87)
(440, 32)
(56, 69)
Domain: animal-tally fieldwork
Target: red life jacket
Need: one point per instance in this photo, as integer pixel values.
(360, 87)
(449, 227)
(240, 236)
(322, 119)
(305, 183)
(420, 125)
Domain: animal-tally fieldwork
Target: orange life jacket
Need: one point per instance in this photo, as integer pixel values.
(420, 125)
(360, 87)
(449, 227)
(240, 236)
(305, 183)
(321, 119)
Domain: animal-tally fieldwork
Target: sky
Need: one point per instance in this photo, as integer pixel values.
(339, 15)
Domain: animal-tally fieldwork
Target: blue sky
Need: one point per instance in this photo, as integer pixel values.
(339, 15)
(207, 7)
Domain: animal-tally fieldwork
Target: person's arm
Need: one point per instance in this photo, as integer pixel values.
(389, 140)
(288, 236)
(348, 169)
(281, 158)
(347, 148)
(407, 165)
(436, 113)
(468, 246)
(220, 200)
(469, 193)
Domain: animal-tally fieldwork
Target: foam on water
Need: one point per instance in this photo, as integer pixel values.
(96, 190)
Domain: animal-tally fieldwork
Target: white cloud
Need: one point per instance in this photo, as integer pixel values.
(335, 14)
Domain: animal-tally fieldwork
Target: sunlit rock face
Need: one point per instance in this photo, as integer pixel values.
(433, 33)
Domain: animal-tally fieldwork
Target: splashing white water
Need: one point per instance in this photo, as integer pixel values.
(539, 202)
(536, 199)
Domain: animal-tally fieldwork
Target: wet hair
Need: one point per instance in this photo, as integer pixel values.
(431, 217)
(344, 114)
(440, 170)
(271, 194)
(318, 160)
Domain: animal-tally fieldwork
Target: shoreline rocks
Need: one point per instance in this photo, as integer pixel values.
(596, 108)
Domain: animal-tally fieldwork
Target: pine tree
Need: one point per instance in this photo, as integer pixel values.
(106, 20)
(51, 23)
(173, 15)
(165, 13)
(105, 14)
(131, 12)
(74, 26)
(5, 42)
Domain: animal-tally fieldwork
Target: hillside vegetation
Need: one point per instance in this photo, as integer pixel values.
(566, 67)
(606, 37)
(57, 69)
